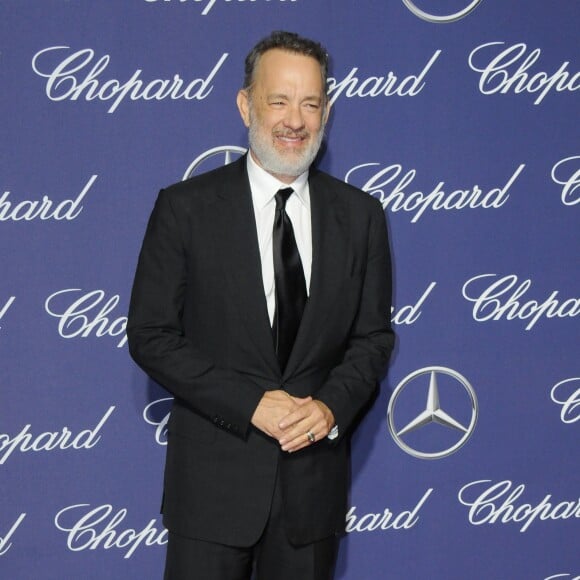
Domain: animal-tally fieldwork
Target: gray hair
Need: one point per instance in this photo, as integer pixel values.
(290, 42)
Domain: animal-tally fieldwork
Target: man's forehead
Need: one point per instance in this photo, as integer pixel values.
(277, 60)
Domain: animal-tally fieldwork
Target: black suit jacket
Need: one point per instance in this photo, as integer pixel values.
(198, 325)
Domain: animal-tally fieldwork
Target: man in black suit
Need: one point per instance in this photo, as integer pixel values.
(262, 302)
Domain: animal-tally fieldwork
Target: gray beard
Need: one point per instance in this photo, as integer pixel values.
(277, 164)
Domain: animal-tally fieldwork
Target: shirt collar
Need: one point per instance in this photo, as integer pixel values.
(264, 185)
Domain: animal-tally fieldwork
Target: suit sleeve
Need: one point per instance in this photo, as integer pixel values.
(352, 383)
(155, 333)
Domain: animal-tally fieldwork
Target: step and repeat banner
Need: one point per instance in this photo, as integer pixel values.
(460, 116)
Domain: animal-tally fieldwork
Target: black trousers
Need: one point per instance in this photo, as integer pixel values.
(273, 557)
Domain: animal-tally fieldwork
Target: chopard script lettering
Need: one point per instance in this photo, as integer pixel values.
(570, 166)
(46, 209)
(100, 528)
(386, 520)
(87, 314)
(391, 187)
(504, 298)
(80, 75)
(409, 314)
(566, 393)
(510, 70)
(376, 86)
(157, 414)
(50, 440)
(5, 543)
(500, 503)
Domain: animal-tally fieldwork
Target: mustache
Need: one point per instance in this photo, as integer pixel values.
(292, 134)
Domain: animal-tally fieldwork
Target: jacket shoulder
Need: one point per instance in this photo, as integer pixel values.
(353, 196)
(206, 185)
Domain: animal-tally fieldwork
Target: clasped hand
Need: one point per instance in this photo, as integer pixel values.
(289, 419)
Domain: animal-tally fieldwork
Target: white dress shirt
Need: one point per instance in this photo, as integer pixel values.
(264, 187)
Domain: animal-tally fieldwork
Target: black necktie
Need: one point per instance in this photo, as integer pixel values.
(289, 277)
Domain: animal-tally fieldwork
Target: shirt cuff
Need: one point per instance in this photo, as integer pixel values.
(333, 433)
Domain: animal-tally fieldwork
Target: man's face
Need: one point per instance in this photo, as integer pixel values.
(285, 111)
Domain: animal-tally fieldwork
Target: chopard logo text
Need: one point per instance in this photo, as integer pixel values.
(80, 75)
(505, 298)
(410, 313)
(567, 173)
(386, 520)
(5, 543)
(391, 186)
(100, 527)
(511, 69)
(157, 414)
(45, 209)
(502, 503)
(387, 85)
(88, 313)
(566, 393)
(25, 441)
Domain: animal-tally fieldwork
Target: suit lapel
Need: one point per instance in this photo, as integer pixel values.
(235, 238)
(329, 259)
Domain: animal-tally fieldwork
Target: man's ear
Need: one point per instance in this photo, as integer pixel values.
(243, 102)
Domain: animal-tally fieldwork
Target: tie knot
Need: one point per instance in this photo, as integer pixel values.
(282, 196)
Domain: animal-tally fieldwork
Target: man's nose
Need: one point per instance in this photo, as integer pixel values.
(294, 118)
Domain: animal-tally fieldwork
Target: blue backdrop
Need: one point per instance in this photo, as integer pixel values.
(460, 116)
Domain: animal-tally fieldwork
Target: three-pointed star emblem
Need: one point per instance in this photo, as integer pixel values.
(433, 411)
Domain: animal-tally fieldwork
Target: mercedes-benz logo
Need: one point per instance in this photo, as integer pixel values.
(461, 415)
(440, 19)
(227, 153)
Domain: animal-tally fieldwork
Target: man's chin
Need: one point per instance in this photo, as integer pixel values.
(284, 165)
